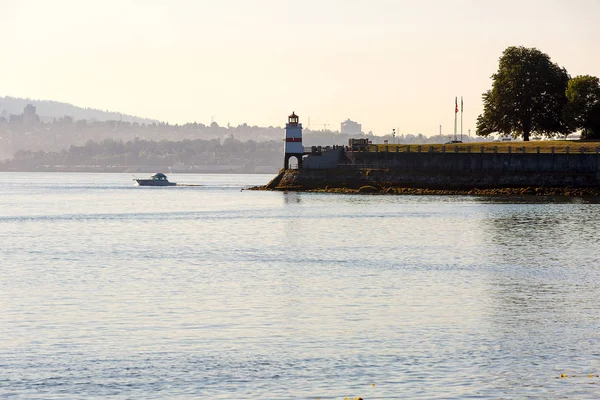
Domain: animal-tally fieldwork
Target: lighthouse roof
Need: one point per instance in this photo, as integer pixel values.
(293, 115)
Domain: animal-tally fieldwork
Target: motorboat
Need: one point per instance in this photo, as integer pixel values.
(158, 179)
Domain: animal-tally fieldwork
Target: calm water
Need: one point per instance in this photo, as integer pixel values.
(108, 290)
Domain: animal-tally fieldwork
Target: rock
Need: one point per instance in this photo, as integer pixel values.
(368, 189)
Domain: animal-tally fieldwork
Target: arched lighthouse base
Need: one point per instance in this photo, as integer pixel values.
(289, 158)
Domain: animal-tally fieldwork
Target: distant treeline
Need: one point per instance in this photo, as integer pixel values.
(198, 155)
(231, 155)
(63, 132)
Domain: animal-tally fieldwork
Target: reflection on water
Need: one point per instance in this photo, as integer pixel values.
(214, 292)
(292, 197)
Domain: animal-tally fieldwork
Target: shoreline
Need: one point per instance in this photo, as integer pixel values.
(390, 182)
(372, 190)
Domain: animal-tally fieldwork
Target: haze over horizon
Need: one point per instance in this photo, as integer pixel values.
(384, 63)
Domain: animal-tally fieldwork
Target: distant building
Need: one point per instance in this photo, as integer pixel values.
(29, 110)
(351, 128)
(29, 115)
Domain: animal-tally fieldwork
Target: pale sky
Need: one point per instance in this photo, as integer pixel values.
(384, 63)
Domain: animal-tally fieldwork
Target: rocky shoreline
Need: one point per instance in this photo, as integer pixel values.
(373, 184)
(528, 191)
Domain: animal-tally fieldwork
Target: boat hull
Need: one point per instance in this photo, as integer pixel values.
(153, 182)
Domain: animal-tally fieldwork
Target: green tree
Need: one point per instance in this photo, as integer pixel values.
(527, 96)
(583, 107)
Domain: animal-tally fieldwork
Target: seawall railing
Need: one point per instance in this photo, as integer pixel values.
(583, 148)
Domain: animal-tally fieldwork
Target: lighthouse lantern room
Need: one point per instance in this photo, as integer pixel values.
(293, 141)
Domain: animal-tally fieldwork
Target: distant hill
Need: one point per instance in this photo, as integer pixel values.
(48, 110)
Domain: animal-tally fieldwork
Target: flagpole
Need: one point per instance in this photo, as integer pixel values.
(461, 117)
(455, 112)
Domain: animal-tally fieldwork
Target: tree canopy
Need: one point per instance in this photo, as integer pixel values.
(528, 96)
(583, 107)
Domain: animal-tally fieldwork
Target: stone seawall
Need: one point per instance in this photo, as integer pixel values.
(450, 172)
(477, 162)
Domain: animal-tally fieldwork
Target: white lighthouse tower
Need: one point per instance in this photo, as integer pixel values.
(293, 141)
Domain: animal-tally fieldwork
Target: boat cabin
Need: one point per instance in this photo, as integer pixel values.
(159, 177)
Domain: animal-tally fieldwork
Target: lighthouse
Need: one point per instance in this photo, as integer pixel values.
(293, 141)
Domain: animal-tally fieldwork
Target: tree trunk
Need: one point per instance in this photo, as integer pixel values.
(526, 130)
